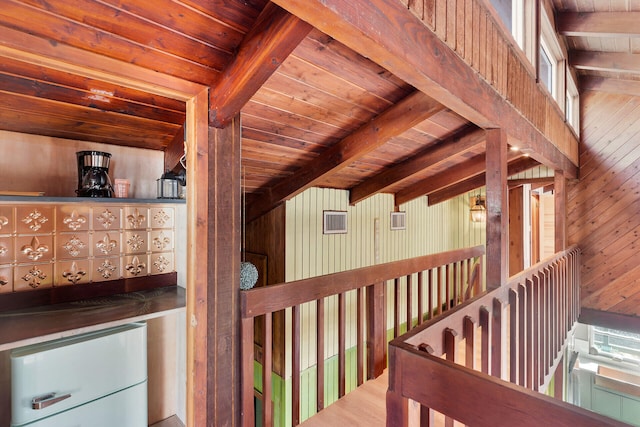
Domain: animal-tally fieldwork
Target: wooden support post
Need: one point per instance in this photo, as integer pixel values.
(376, 334)
(560, 205)
(497, 209)
(213, 304)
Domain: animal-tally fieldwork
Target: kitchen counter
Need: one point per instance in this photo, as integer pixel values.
(39, 324)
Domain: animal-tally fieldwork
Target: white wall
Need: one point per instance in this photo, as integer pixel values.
(40, 163)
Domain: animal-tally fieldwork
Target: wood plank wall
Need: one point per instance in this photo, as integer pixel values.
(473, 33)
(430, 229)
(604, 205)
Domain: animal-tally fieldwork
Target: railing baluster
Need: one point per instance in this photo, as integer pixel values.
(538, 348)
(450, 350)
(248, 412)
(420, 297)
(522, 335)
(360, 319)
(447, 282)
(430, 292)
(396, 311)
(514, 348)
(497, 339)
(320, 354)
(485, 324)
(295, 365)
(341, 344)
(439, 301)
(470, 342)
(529, 337)
(267, 414)
(409, 313)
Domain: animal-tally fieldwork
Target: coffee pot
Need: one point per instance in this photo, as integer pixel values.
(93, 174)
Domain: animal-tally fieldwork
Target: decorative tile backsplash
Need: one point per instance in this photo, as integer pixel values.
(73, 244)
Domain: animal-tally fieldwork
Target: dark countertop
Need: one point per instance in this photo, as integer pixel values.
(39, 324)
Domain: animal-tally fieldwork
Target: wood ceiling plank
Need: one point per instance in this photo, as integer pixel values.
(598, 24)
(345, 103)
(210, 31)
(312, 126)
(393, 121)
(274, 36)
(59, 29)
(417, 163)
(394, 38)
(293, 105)
(237, 14)
(100, 100)
(40, 73)
(605, 61)
(280, 133)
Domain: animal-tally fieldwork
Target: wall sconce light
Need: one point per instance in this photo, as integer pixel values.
(478, 209)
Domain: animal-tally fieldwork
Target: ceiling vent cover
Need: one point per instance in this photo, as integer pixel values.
(398, 220)
(335, 222)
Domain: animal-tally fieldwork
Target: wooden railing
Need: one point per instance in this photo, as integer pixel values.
(418, 288)
(486, 361)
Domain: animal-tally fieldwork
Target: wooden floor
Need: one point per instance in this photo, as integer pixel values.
(365, 406)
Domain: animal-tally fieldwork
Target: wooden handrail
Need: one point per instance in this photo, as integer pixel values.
(443, 280)
(536, 308)
(269, 299)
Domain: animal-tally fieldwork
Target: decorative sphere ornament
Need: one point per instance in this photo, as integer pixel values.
(248, 275)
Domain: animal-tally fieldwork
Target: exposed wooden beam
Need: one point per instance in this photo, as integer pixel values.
(404, 115)
(463, 171)
(461, 141)
(274, 36)
(174, 152)
(518, 165)
(393, 37)
(617, 62)
(497, 209)
(598, 24)
(610, 85)
(534, 181)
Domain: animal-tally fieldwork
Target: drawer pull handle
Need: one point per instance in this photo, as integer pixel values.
(47, 400)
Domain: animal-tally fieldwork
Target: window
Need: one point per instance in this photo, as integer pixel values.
(546, 69)
(572, 104)
(511, 13)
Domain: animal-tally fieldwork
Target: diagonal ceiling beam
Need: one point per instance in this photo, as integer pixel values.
(412, 110)
(515, 166)
(393, 37)
(598, 24)
(610, 85)
(274, 36)
(459, 142)
(605, 61)
(465, 170)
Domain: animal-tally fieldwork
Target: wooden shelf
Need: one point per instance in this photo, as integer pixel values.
(112, 200)
(33, 325)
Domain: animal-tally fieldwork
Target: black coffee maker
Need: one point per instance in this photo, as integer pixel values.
(93, 174)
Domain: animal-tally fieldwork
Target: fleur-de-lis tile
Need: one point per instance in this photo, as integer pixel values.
(161, 263)
(135, 242)
(3, 250)
(34, 277)
(4, 221)
(74, 274)
(135, 267)
(161, 241)
(35, 250)
(34, 220)
(4, 281)
(161, 217)
(74, 245)
(106, 245)
(136, 219)
(74, 221)
(106, 218)
(106, 269)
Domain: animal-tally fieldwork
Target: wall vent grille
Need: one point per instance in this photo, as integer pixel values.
(398, 220)
(335, 222)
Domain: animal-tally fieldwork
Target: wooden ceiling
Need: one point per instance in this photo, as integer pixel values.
(314, 112)
(603, 39)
